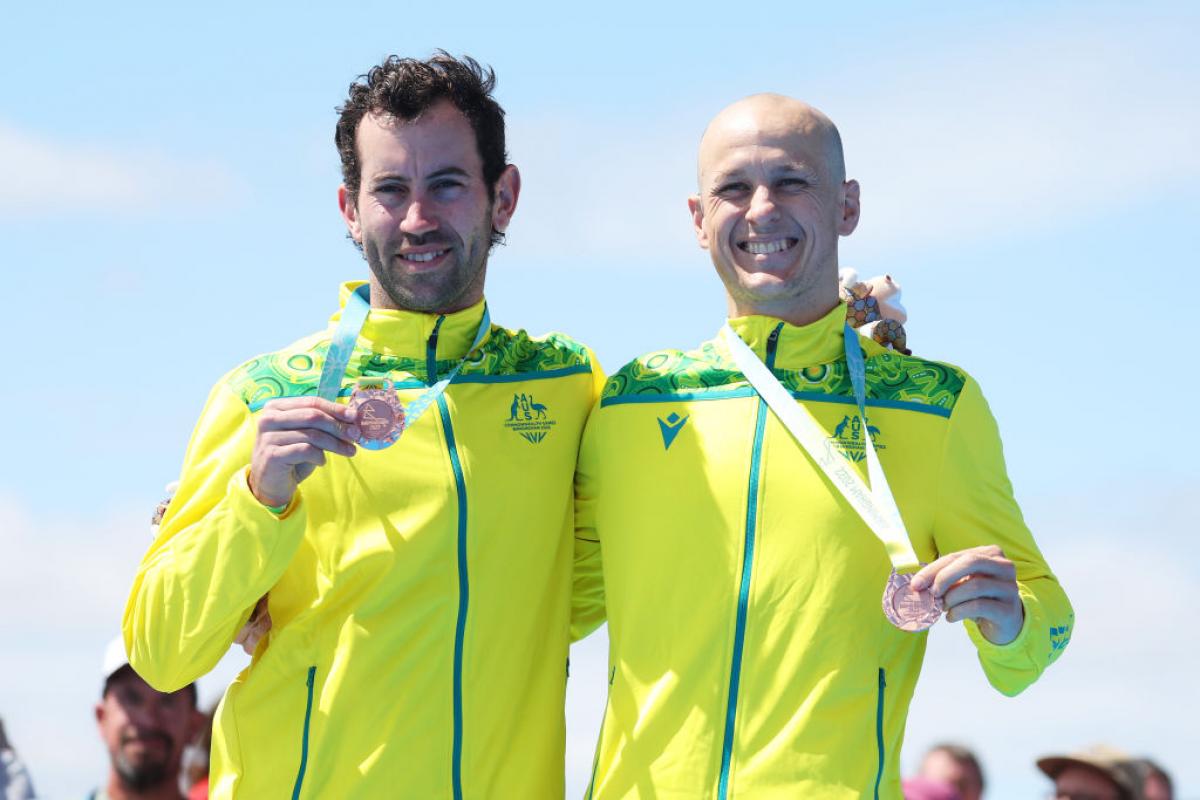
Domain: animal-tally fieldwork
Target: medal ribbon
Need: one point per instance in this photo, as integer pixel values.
(342, 346)
(875, 504)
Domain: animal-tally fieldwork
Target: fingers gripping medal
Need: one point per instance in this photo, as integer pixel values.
(908, 609)
(378, 414)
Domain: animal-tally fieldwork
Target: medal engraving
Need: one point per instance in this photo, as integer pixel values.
(379, 416)
(907, 609)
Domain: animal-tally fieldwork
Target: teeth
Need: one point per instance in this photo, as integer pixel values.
(420, 258)
(766, 248)
(423, 257)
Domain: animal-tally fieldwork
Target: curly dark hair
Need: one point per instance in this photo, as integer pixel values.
(405, 88)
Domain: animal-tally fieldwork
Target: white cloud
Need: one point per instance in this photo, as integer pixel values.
(40, 176)
(1017, 130)
(1026, 132)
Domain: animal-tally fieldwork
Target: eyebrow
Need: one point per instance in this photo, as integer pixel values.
(740, 172)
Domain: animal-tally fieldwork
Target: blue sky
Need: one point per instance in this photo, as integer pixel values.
(1029, 175)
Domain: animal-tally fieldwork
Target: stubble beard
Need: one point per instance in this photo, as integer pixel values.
(444, 290)
(140, 777)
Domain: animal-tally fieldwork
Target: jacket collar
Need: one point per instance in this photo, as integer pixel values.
(799, 346)
(406, 333)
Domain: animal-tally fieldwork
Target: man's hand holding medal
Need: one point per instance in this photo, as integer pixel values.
(979, 584)
(294, 434)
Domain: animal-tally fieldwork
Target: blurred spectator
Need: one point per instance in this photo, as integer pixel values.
(1156, 783)
(144, 730)
(14, 779)
(1099, 773)
(955, 765)
(928, 789)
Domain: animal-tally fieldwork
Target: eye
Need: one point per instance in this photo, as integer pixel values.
(792, 184)
(390, 189)
(732, 189)
(447, 188)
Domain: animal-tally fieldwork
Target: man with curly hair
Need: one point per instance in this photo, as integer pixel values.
(415, 606)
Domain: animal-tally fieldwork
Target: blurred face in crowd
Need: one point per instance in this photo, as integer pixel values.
(1155, 788)
(145, 730)
(942, 766)
(1082, 783)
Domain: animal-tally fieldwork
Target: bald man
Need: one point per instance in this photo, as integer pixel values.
(743, 573)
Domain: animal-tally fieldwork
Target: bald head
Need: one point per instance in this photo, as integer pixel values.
(773, 201)
(776, 117)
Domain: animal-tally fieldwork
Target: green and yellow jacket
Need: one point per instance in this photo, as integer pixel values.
(750, 656)
(420, 595)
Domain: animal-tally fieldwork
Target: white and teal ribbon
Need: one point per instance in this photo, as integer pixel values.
(874, 503)
(341, 347)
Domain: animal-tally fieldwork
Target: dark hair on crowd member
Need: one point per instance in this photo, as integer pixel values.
(407, 87)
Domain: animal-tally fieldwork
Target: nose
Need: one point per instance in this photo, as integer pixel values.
(416, 221)
(762, 208)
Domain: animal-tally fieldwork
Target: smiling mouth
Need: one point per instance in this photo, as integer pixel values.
(422, 258)
(761, 248)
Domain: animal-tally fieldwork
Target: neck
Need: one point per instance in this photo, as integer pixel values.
(167, 790)
(793, 310)
(472, 294)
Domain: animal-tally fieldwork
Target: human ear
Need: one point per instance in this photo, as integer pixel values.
(508, 189)
(697, 211)
(851, 208)
(349, 209)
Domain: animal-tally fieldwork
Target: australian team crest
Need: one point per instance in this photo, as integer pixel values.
(528, 418)
(848, 438)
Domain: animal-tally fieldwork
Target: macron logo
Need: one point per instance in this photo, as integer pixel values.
(671, 426)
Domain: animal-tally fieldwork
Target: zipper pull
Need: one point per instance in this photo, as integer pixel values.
(431, 351)
(772, 344)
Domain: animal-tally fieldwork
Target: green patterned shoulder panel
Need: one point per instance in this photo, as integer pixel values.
(516, 353)
(295, 371)
(673, 372)
(892, 378)
(899, 378)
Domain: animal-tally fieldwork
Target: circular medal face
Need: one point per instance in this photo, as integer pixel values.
(379, 416)
(907, 609)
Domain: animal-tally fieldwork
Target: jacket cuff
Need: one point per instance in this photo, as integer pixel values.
(280, 512)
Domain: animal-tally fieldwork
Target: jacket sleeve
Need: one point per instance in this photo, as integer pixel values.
(587, 595)
(218, 550)
(976, 507)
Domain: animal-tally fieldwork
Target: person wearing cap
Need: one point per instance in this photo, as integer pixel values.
(144, 730)
(765, 590)
(1098, 773)
(416, 561)
(1156, 781)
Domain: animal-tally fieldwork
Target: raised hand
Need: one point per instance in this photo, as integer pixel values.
(294, 434)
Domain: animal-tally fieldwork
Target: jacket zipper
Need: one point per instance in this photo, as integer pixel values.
(460, 627)
(879, 730)
(739, 634)
(312, 672)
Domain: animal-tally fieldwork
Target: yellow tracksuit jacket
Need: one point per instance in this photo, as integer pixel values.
(750, 656)
(420, 595)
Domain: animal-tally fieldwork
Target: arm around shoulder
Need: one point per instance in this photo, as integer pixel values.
(587, 594)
